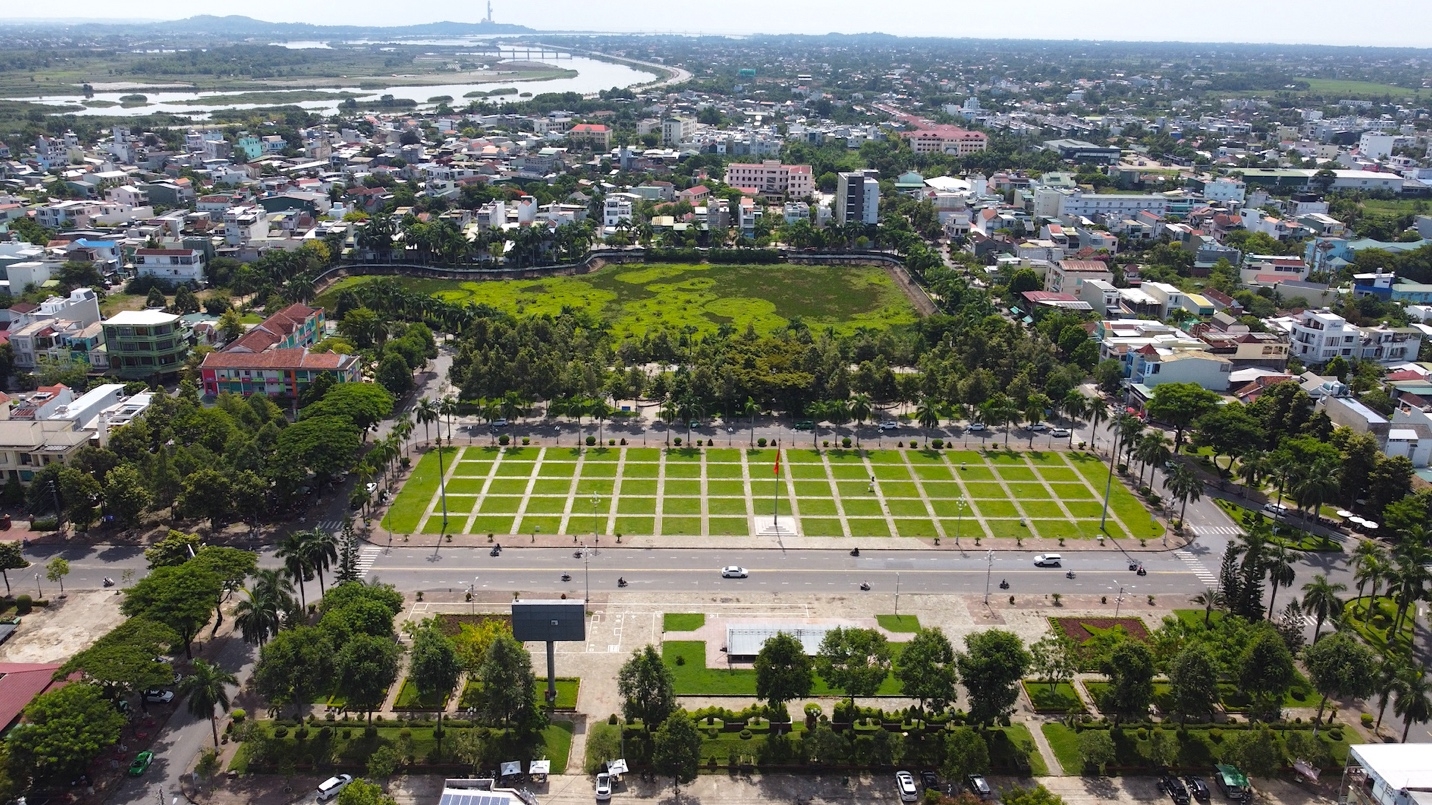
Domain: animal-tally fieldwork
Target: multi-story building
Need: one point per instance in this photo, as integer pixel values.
(282, 372)
(1078, 204)
(615, 209)
(171, 265)
(1156, 364)
(294, 326)
(946, 140)
(772, 178)
(857, 197)
(26, 446)
(1069, 276)
(596, 135)
(1318, 336)
(677, 130)
(144, 343)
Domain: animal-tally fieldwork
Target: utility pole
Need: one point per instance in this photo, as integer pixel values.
(989, 568)
(1109, 484)
(897, 596)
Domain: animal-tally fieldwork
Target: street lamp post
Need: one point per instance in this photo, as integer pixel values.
(1119, 602)
(586, 574)
(596, 540)
(959, 518)
(472, 596)
(989, 568)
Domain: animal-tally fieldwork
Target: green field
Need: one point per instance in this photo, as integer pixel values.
(637, 298)
(649, 491)
(1355, 89)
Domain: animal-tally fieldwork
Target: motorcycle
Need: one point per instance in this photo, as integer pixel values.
(1133, 565)
(1003, 585)
(854, 551)
(566, 577)
(1142, 572)
(621, 582)
(496, 551)
(108, 582)
(1069, 575)
(864, 586)
(576, 554)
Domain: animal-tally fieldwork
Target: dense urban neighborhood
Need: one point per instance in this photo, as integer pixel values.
(833, 418)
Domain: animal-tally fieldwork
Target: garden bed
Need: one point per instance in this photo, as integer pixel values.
(687, 661)
(682, 621)
(1063, 698)
(568, 688)
(451, 625)
(1082, 630)
(1199, 747)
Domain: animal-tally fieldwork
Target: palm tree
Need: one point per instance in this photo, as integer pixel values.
(1320, 482)
(1413, 704)
(448, 408)
(1129, 428)
(600, 411)
(1390, 675)
(749, 409)
(816, 411)
(1153, 449)
(1280, 573)
(259, 616)
(293, 553)
(928, 414)
(1370, 559)
(320, 551)
(208, 687)
(1210, 599)
(1098, 413)
(1253, 465)
(1184, 484)
(667, 412)
(427, 412)
(1408, 583)
(860, 410)
(1321, 599)
(1076, 407)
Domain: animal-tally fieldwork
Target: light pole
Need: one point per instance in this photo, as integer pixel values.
(1119, 602)
(959, 518)
(595, 539)
(38, 588)
(1109, 484)
(442, 484)
(472, 596)
(535, 531)
(989, 568)
(586, 575)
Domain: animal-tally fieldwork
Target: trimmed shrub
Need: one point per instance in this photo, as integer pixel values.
(938, 444)
(526, 440)
(676, 441)
(238, 714)
(845, 441)
(504, 440)
(591, 440)
(23, 604)
(761, 442)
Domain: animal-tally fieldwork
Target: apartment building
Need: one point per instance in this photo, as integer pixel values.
(677, 130)
(946, 140)
(594, 135)
(857, 197)
(175, 266)
(772, 178)
(1069, 276)
(281, 372)
(144, 343)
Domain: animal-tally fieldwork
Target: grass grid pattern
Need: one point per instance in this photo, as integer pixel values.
(726, 492)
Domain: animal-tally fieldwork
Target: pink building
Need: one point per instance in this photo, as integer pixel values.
(946, 140)
(772, 178)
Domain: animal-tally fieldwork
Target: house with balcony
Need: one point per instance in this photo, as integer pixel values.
(281, 372)
(144, 343)
(1155, 364)
(294, 326)
(174, 266)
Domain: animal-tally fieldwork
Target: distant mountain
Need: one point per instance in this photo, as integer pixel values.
(235, 26)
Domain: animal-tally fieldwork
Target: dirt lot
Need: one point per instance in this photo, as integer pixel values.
(64, 628)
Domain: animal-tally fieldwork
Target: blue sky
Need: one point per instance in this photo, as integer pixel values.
(1372, 22)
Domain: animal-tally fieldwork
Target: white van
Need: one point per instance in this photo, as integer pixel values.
(333, 786)
(1048, 560)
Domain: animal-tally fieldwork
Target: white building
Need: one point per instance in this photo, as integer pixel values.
(170, 265)
(772, 178)
(615, 209)
(1225, 190)
(857, 197)
(1318, 336)
(677, 130)
(1079, 204)
(1069, 276)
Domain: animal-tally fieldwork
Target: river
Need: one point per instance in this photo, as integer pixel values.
(592, 76)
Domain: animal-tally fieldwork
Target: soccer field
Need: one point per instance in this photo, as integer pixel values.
(637, 491)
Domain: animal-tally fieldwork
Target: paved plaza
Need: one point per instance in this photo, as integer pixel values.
(647, 491)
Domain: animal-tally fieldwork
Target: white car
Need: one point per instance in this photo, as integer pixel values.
(1048, 560)
(889, 424)
(1037, 427)
(733, 572)
(1060, 433)
(158, 696)
(604, 787)
(333, 786)
(976, 427)
(906, 783)
(1275, 509)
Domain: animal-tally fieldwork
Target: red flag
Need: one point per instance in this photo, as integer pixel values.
(778, 461)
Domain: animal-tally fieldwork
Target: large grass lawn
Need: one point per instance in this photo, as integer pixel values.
(687, 661)
(1199, 749)
(690, 492)
(637, 298)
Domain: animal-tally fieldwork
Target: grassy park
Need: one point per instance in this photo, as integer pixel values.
(637, 298)
(647, 491)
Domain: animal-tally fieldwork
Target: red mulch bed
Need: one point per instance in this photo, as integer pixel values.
(1074, 627)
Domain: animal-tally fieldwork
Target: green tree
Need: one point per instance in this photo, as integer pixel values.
(965, 752)
(125, 495)
(128, 658)
(1096, 748)
(208, 687)
(854, 661)
(324, 446)
(509, 688)
(1130, 669)
(363, 403)
(1340, 666)
(991, 666)
(676, 749)
(1414, 700)
(394, 374)
(56, 570)
(783, 670)
(63, 731)
(362, 792)
(365, 667)
(926, 669)
(1320, 599)
(181, 596)
(1180, 405)
(11, 558)
(433, 666)
(1193, 679)
(173, 549)
(1265, 668)
(647, 688)
(295, 667)
(155, 299)
(1038, 795)
(1255, 752)
(1054, 658)
(1162, 749)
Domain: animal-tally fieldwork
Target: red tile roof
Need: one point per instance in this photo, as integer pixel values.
(20, 683)
(273, 329)
(286, 358)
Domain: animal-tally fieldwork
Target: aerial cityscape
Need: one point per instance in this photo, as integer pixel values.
(827, 411)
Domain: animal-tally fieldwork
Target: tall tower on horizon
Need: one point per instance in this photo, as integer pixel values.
(489, 12)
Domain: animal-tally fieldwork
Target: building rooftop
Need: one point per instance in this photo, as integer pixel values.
(141, 318)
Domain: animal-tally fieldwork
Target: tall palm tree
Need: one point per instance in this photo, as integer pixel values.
(1280, 573)
(427, 412)
(817, 411)
(208, 687)
(1414, 700)
(928, 414)
(1370, 559)
(1253, 465)
(1130, 428)
(1098, 413)
(1391, 672)
(259, 616)
(294, 555)
(1076, 407)
(668, 412)
(860, 410)
(1184, 484)
(1318, 483)
(1320, 597)
(1408, 583)
(448, 408)
(1210, 599)
(1153, 449)
(749, 409)
(320, 551)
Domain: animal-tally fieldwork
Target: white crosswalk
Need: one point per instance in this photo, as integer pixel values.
(331, 526)
(1216, 530)
(1197, 567)
(366, 557)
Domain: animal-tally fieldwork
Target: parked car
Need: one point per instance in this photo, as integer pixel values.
(1059, 433)
(333, 786)
(604, 786)
(1048, 560)
(1197, 787)
(1275, 509)
(733, 572)
(499, 423)
(805, 424)
(141, 763)
(1037, 427)
(1172, 786)
(889, 424)
(1232, 782)
(979, 786)
(929, 780)
(158, 696)
(977, 427)
(906, 784)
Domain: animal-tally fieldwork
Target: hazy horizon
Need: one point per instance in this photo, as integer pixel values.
(1388, 23)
